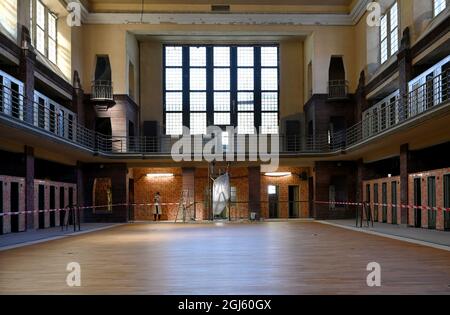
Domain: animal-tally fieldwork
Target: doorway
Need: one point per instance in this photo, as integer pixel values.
(14, 206)
(432, 213)
(417, 202)
(52, 206)
(62, 205)
(131, 199)
(394, 202)
(273, 192)
(41, 206)
(294, 202)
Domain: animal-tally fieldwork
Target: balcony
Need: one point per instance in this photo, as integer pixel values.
(102, 91)
(337, 90)
(45, 119)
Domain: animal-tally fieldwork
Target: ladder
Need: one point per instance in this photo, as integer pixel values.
(183, 205)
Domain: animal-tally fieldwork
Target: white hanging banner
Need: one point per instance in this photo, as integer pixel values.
(221, 193)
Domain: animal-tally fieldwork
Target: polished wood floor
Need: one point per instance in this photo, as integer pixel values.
(267, 258)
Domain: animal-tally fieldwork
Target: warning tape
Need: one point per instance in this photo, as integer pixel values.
(358, 204)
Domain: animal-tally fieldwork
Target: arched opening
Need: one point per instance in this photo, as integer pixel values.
(102, 84)
(337, 84)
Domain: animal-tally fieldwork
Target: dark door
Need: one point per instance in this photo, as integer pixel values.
(294, 202)
(62, 205)
(293, 135)
(384, 201)
(417, 203)
(41, 206)
(311, 196)
(431, 202)
(447, 202)
(1, 206)
(375, 201)
(52, 206)
(71, 204)
(131, 199)
(14, 202)
(104, 129)
(394, 202)
(273, 201)
(369, 211)
(445, 81)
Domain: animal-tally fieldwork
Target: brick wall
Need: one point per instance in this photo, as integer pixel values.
(283, 184)
(439, 175)
(145, 189)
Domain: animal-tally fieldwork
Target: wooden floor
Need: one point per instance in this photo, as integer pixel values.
(267, 258)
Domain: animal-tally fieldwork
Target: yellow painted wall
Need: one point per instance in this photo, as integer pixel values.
(8, 20)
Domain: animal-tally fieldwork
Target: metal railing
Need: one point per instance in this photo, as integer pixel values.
(337, 89)
(102, 90)
(20, 110)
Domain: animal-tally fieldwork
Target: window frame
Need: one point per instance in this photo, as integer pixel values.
(442, 6)
(391, 33)
(233, 89)
(34, 26)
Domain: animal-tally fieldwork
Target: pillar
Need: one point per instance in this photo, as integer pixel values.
(29, 186)
(404, 159)
(254, 190)
(405, 72)
(26, 74)
(78, 99)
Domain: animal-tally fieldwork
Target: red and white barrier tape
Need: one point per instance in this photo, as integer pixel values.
(358, 204)
(383, 205)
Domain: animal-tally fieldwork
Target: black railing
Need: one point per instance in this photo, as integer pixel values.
(17, 109)
(102, 90)
(337, 89)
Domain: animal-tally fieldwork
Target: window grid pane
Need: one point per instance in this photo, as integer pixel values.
(269, 56)
(197, 79)
(245, 79)
(269, 79)
(198, 101)
(52, 50)
(174, 56)
(40, 12)
(174, 124)
(51, 26)
(222, 119)
(174, 102)
(197, 56)
(174, 79)
(439, 6)
(269, 101)
(269, 123)
(246, 101)
(394, 41)
(246, 123)
(222, 79)
(222, 101)
(198, 123)
(245, 56)
(221, 56)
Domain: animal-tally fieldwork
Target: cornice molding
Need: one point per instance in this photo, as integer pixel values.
(326, 19)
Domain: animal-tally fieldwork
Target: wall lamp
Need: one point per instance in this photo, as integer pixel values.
(159, 175)
(278, 174)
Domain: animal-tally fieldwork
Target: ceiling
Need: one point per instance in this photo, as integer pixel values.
(291, 6)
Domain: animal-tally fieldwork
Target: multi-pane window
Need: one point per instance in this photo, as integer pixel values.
(221, 86)
(43, 30)
(389, 29)
(439, 6)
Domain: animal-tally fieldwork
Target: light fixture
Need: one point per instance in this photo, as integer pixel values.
(159, 175)
(278, 174)
(389, 175)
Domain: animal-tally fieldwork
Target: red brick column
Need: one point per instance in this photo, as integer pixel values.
(404, 158)
(254, 190)
(29, 186)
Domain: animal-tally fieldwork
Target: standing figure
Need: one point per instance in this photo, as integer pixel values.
(157, 212)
